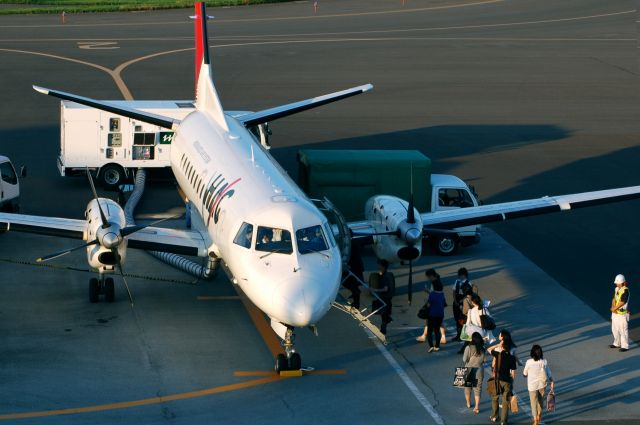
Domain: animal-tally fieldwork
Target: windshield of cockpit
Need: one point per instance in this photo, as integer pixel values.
(311, 239)
(272, 239)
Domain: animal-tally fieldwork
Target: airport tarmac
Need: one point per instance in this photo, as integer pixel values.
(523, 98)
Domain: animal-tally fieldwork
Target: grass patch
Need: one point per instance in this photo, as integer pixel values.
(10, 7)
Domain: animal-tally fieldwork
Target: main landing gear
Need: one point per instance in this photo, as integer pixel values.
(101, 286)
(291, 360)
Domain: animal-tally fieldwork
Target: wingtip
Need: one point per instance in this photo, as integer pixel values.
(40, 89)
(367, 87)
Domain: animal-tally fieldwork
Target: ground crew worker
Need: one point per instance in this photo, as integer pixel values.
(620, 314)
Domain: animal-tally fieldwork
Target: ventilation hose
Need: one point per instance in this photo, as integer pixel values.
(173, 260)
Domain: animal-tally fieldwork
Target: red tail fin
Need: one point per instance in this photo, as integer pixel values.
(199, 40)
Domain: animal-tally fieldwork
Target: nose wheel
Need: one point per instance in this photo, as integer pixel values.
(101, 286)
(291, 359)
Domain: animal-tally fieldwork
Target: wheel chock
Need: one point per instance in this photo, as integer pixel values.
(290, 373)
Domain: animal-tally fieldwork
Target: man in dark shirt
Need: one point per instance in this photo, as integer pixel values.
(505, 372)
(386, 288)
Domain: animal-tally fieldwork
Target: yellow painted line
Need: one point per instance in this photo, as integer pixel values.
(143, 402)
(259, 320)
(220, 298)
(245, 373)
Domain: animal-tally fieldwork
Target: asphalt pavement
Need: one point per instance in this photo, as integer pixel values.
(521, 98)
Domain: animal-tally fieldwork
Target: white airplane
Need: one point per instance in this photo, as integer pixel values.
(276, 245)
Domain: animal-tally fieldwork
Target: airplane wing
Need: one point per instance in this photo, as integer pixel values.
(182, 242)
(51, 226)
(149, 238)
(461, 217)
(271, 114)
(159, 120)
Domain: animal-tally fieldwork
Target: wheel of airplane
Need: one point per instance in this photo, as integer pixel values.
(295, 361)
(109, 290)
(446, 245)
(94, 290)
(281, 363)
(111, 176)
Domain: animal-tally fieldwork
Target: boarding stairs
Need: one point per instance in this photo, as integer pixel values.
(361, 316)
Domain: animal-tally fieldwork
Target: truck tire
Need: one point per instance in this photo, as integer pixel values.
(446, 245)
(111, 176)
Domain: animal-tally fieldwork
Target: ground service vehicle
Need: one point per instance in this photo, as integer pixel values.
(111, 145)
(348, 178)
(9, 186)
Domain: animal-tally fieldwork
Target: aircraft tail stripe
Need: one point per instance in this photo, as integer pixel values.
(201, 40)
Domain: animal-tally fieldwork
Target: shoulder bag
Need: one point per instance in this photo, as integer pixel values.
(486, 321)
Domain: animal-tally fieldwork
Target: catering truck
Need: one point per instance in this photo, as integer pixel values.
(112, 146)
(9, 185)
(349, 177)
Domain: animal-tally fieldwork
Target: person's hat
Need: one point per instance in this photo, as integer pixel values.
(619, 279)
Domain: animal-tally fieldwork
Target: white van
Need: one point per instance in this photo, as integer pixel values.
(9, 186)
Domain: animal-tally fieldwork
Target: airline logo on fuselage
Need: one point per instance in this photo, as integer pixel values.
(218, 191)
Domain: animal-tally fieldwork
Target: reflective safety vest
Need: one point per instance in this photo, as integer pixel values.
(618, 297)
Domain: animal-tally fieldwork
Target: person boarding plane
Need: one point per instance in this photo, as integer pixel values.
(277, 246)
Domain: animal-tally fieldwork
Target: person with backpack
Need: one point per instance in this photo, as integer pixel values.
(504, 373)
(461, 287)
(385, 288)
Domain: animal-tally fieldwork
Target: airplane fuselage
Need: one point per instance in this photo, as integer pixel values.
(275, 242)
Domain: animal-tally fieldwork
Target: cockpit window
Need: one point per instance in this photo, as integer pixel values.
(311, 239)
(275, 240)
(244, 236)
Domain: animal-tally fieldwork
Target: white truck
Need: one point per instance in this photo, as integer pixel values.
(111, 146)
(9, 185)
(348, 178)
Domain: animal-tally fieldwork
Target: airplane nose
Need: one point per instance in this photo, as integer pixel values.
(302, 302)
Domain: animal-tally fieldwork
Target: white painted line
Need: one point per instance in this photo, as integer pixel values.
(409, 383)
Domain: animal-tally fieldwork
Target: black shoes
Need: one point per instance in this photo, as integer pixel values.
(613, 346)
(622, 350)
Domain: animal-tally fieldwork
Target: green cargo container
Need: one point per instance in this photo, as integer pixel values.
(349, 177)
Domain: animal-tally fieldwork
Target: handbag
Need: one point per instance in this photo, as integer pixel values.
(513, 404)
(464, 336)
(423, 313)
(460, 377)
(551, 401)
(486, 321)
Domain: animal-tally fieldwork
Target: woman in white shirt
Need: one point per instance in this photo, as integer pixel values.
(537, 373)
(474, 324)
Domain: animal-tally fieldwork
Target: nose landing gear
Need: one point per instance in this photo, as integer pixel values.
(291, 359)
(102, 286)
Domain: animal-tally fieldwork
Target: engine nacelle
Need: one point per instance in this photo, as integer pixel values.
(389, 214)
(101, 256)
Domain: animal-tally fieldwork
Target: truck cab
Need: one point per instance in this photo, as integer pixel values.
(449, 192)
(9, 186)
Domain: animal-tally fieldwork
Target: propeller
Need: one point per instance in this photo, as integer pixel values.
(65, 252)
(411, 219)
(124, 279)
(103, 217)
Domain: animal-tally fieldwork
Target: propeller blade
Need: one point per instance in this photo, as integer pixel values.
(103, 217)
(410, 285)
(411, 216)
(124, 279)
(65, 252)
(132, 229)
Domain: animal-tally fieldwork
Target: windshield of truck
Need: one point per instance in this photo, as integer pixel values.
(454, 197)
(311, 239)
(8, 174)
(274, 240)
